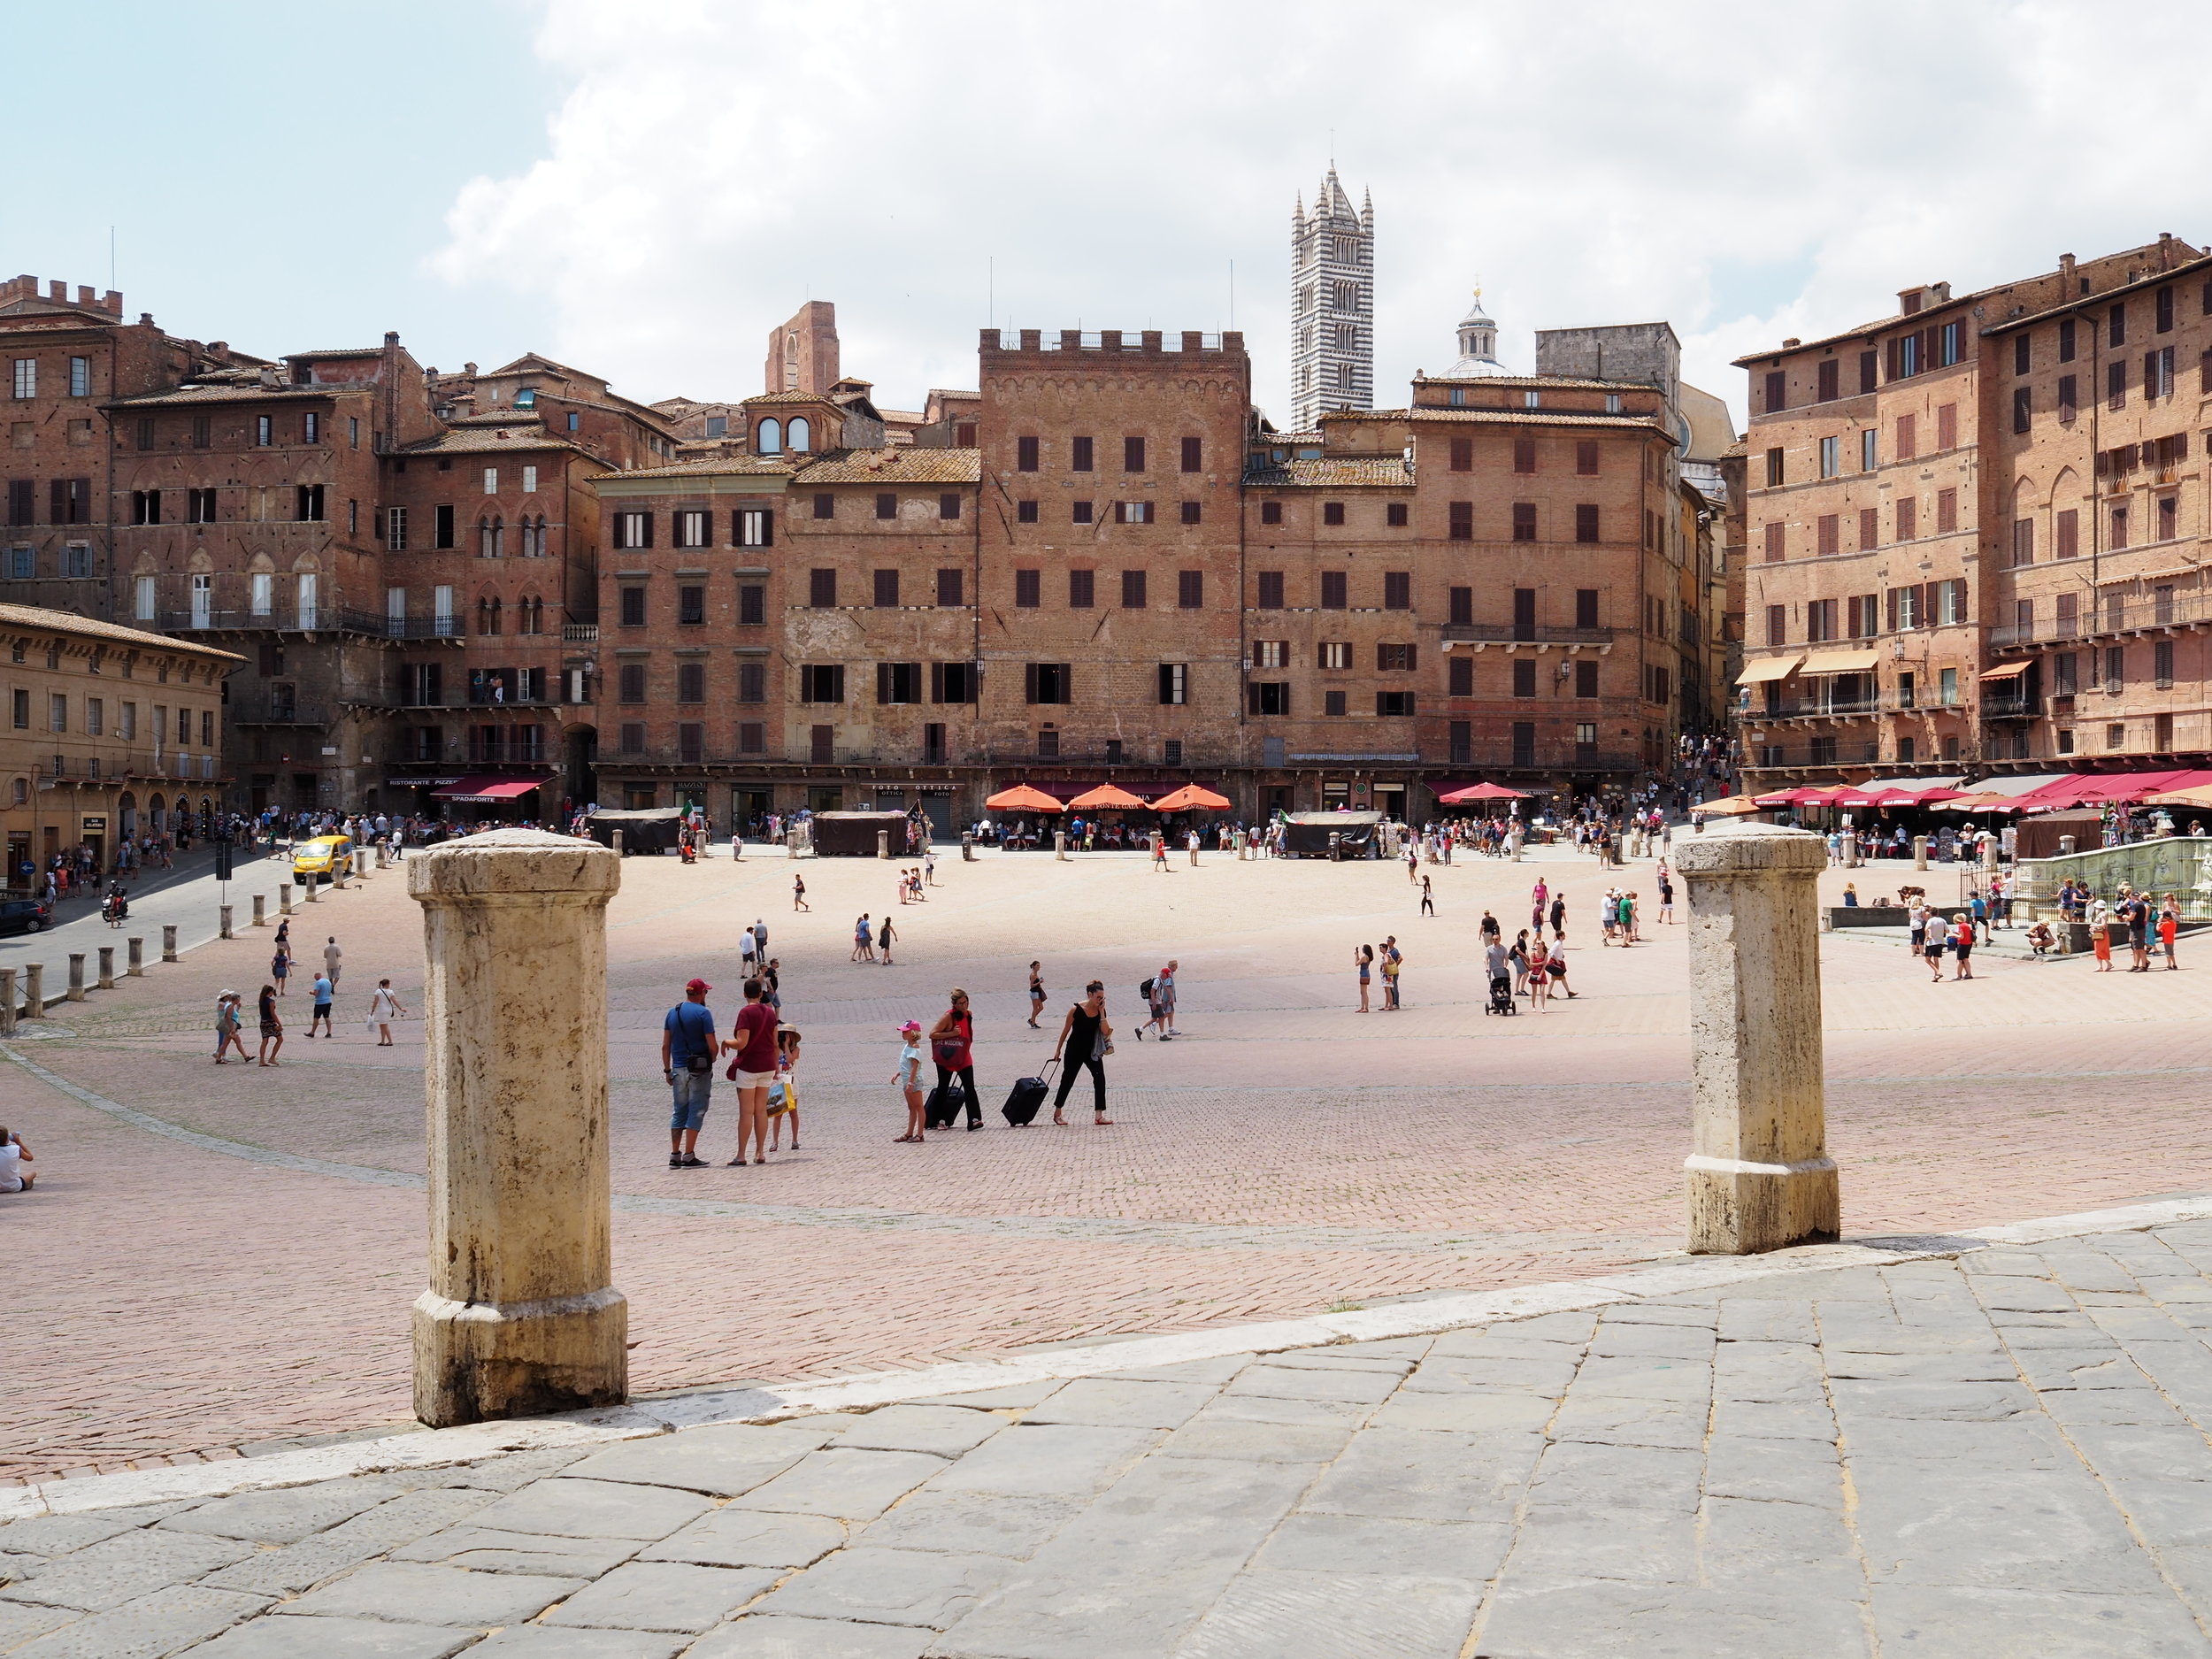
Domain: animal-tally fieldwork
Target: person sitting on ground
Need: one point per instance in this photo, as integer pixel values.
(13, 1156)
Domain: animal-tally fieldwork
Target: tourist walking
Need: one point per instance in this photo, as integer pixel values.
(864, 950)
(1362, 962)
(321, 1016)
(689, 1049)
(226, 1020)
(1163, 994)
(952, 1047)
(1555, 967)
(884, 936)
(1962, 945)
(1537, 897)
(281, 963)
(1518, 955)
(2169, 928)
(334, 959)
(1558, 916)
(1036, 994)
(2101, 942)
(272, 1026)
(1666, 896)
(1086, 1038)
(1934, 935)
(908, 1080)
(798, 893)
(383, 1009)
(1428, 898)
(752, 1046)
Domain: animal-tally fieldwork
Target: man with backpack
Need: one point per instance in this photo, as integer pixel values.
(688, 1047)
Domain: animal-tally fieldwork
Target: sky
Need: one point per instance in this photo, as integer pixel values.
(645, 190)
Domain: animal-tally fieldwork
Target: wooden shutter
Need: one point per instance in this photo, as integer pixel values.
(1029, 680)
(57, 501)
(1870, 528)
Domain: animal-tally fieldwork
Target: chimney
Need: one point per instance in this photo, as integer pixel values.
(469, 369)
(219, 349)
(2066, 271)
(391, 338)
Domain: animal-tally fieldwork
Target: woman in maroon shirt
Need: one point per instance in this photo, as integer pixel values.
(951, 1046)
(753, 1043)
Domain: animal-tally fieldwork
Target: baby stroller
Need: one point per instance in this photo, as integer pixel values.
(1502, 997)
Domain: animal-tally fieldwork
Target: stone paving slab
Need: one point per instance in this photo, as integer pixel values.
(1841, 1451)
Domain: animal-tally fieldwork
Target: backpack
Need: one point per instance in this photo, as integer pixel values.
(1145, 990)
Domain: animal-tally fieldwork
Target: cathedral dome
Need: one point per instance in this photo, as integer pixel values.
(1477, 346)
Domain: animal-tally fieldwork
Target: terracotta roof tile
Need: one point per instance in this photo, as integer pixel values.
(246, 392)
(740, 465)
(70, 622)
(900, 465)
(1333, 473)
(508, 439)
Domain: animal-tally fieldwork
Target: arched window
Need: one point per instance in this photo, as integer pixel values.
(802, 435)
(1345, 373)
(771, 437)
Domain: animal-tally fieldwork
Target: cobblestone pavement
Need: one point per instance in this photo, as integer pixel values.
(1964, 1446)
(260, 1231)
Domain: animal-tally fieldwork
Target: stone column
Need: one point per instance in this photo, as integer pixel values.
(33, 990)
(883, 843)
(136, 957)
(383, 856)
(616, 841)
(967, 846)
(1060, 845)
(519, 1317)
(168, 941)
(1920, 852)
(260, 910)
(76, 976)
(106, 981)
(284, 898)
(1759, 1174)
(1990, 850)
(7, 1001)
(338, 877)
(226, 932)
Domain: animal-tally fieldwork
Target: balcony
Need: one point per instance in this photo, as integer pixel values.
(580, 633)
(144, 765)
(319, 620)
(2149, 614)
(1510, 633)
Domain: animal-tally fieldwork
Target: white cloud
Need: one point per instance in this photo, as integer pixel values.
(1745, 172)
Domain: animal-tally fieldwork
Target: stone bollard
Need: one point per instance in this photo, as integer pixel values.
(168, 941)
(314, 889)
(383, 856)
(967, 847)
(260, 910)
(76, 976)
(106, 981)
(226, 931)
(791, 843)
(1990, 850)
(616, 839)
(7, 1001)
(33, 990)
(520, 1318)
(338, 878)
(1759, 1174)
(1513, 844)
(284, 900)
(1920, 852)
(136, 957)
(1060, 845)
(883, 843)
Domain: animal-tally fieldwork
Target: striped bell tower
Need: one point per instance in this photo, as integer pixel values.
(1333, 304)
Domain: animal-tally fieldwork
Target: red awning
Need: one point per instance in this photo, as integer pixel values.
(490, 787)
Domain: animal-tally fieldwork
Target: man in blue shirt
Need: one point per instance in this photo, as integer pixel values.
(689, 1049)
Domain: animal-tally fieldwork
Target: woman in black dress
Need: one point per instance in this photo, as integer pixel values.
(1084, 1036)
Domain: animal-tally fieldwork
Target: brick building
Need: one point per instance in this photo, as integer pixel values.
(1969, 519)
(1126, 575)
(109, 733)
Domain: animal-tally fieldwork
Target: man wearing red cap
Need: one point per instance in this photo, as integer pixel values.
(689, 1049)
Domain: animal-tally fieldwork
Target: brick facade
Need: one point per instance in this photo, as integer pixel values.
(1883, 479)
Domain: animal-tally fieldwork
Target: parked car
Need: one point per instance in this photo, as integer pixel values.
(25, 916)
(320, 859)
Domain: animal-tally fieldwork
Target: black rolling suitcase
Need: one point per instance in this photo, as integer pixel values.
(943, 1107)
(1028, 1096)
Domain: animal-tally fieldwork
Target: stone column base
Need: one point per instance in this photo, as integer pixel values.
(1739, 1209)
(476, 1361)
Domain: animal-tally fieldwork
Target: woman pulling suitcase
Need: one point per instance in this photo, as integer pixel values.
(951, 1046)
(1086, 1039)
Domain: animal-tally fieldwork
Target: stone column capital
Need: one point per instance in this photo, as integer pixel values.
(1750, 849)
(514, 863)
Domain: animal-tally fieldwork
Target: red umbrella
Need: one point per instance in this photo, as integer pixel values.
(1482, 792)
(1190, 796)
(1022, 798)
(1108, 795)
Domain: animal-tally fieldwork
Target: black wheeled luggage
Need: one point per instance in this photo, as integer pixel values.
(1023, 1104)
(944, 1106)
